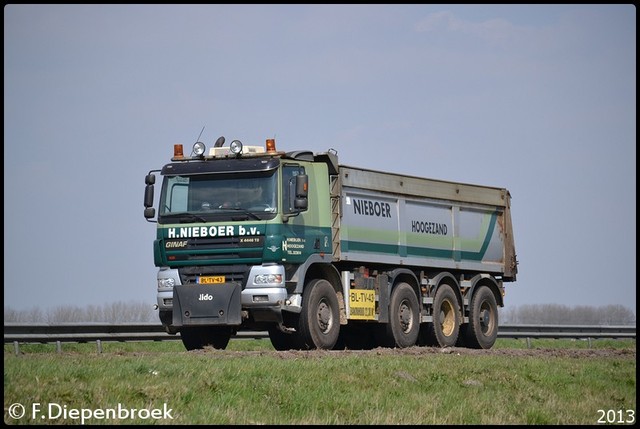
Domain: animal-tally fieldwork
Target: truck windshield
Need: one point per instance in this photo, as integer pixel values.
(216, 197)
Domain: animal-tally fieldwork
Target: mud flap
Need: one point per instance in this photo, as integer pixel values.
(207, 304)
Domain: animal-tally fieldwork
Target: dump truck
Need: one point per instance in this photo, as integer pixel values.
(322, 255)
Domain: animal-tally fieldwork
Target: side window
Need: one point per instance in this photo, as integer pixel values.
(176, 195)
(289, 173)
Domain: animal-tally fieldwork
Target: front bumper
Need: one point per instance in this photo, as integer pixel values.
(221, 304)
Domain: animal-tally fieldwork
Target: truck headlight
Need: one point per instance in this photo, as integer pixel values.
(166, 283)
(268, 279)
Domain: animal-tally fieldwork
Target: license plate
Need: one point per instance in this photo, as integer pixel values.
(209, 280)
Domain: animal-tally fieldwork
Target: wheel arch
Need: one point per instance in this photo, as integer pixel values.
(490, 282)
(449, 279)
(324, 271)
(314, 267)
(403, 275)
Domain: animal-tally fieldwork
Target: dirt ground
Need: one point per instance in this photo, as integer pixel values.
(426, 351)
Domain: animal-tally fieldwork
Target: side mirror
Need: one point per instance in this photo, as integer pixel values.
(301, 201)
(149, 211)
(148, 196)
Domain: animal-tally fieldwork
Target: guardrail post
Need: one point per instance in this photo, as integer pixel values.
(58, 346)
(99, 344)
(528, 342)
(16, 347)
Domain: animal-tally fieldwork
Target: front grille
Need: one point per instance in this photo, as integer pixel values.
(232, 273)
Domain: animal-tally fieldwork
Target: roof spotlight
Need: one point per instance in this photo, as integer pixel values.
(198, 148)
(236, 147)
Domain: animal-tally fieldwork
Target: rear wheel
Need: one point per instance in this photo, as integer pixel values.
(199, 337)
(319, 324)
(404, 318)
(446, 317)
(482, 330)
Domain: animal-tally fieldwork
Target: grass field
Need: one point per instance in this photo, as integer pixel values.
(554, 382)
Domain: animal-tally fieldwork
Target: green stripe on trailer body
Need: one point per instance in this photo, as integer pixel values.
(404, 250)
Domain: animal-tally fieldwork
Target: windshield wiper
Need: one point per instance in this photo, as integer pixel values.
(191, 218)
(244, 211)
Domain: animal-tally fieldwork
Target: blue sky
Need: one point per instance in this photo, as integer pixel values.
(539, 99)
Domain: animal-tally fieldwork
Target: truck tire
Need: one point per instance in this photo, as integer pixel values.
(482, 330)
(404, 319)
(446, 317)
(199, 337)
(319, 324)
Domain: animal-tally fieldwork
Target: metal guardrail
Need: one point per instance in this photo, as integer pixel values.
(567, 331)
(88, 332)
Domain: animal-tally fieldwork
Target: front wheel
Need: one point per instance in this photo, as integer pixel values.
(320, 316)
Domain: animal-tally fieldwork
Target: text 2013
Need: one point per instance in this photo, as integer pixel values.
(616, 416)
